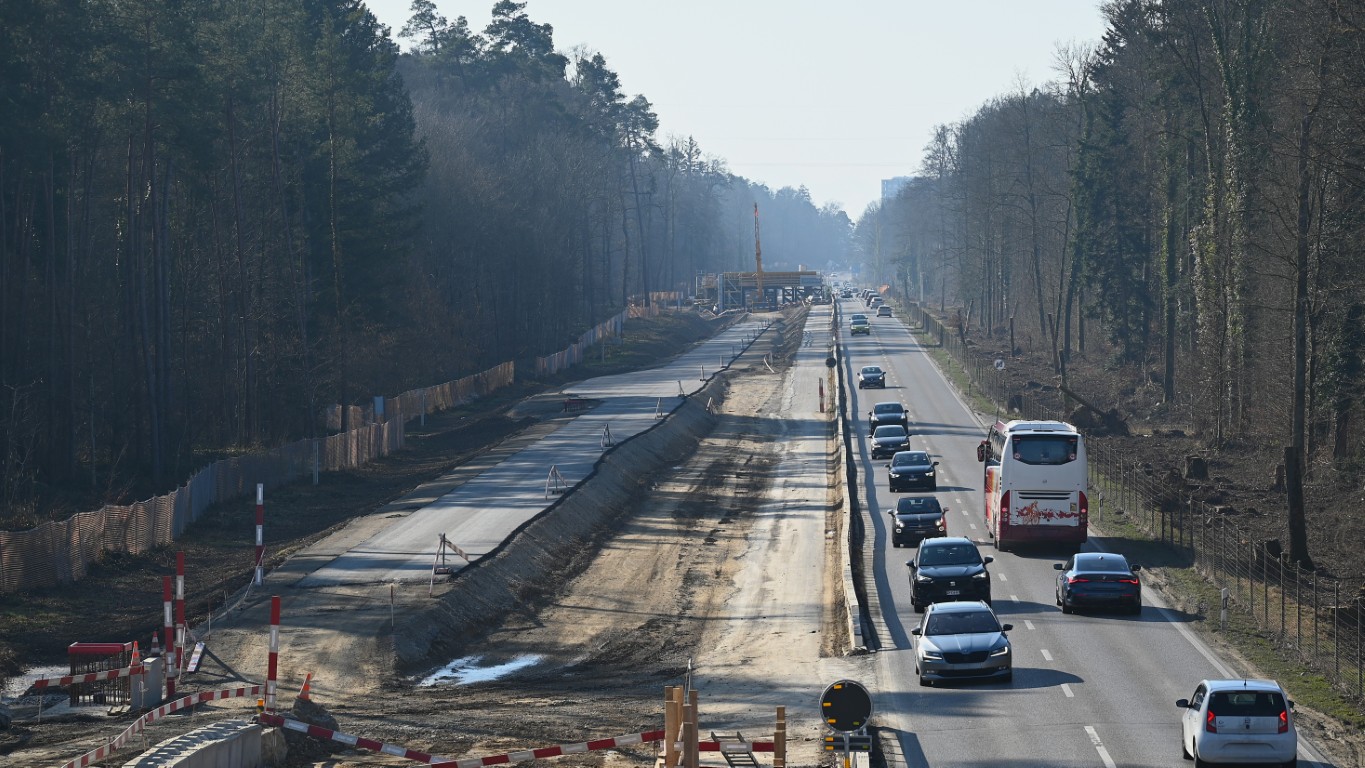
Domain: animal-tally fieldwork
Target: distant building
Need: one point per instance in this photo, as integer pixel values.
(892, 187)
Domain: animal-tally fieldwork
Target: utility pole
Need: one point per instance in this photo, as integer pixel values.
(758, 257)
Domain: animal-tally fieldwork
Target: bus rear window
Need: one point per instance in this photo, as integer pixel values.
(1044, 449)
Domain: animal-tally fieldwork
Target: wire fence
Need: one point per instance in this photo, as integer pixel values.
(1309, 617)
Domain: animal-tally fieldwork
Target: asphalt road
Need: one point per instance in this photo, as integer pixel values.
(1089, 689)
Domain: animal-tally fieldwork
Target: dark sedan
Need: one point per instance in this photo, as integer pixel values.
(871, 376)
(948, 569)
(1098, 580)
(916, 518)
(909, 470)
(888, 413)
(888, 440)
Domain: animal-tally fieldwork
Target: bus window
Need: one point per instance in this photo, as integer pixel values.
(1044, 450)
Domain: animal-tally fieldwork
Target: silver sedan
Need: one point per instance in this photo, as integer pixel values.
(962, 640)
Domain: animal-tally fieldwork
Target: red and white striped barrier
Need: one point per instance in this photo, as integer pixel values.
(156, 714)
(93, 677)
(318, 732)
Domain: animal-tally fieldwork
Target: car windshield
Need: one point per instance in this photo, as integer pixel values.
(910, 458)
(1106, 564)
(888, 408)
(961, 623)
(1246, 704)
(949, 554)
(918, 505)
(890, 430)
(871, 369)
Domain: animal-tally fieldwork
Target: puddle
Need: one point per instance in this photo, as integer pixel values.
(467, 670)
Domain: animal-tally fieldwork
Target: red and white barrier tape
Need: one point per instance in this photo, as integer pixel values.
(93, 677)
(472, 762)
(156, 714)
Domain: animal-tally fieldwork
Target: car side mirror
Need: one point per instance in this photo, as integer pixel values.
(1182, 703)
(988, 559)
(1291, 703)
(910, 564)
(1057, 566)
(936, 463)
(1136, 568)
(916, 632)
(1006, 627)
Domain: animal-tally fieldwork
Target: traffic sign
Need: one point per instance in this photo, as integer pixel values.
(845, 706)
(848, 742)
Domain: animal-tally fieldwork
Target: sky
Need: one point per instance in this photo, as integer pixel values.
(835, 96)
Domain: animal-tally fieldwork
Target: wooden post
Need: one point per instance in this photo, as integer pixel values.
(691, 739)
(780, 739)
(672, 731)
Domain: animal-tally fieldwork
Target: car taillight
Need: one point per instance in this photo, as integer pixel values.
(941, 524)
(1129, 580)
(1085, 509)
(1077, 580)
(1209, 724)
(1284, 721)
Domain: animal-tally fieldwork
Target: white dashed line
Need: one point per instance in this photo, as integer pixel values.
(1028, 624)
(1002, 577)
(1066, 688)
(1015, 598)
(1099, 747)
(964, 513)
(973, 526)
(1047, 655)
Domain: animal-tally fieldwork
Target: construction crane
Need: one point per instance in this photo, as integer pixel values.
(758, 257)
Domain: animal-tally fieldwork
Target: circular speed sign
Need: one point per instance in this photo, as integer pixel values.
(845, 706)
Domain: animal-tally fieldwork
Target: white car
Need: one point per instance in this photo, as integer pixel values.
(1238, 721)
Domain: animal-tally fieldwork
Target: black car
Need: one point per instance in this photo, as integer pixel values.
(948, 569)
(916, 518)
(1098, 579)
(888, 440)
(909, 470)
(888, 413)
(871, 376)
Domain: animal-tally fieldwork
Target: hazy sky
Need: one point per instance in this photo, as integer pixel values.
(833, 95)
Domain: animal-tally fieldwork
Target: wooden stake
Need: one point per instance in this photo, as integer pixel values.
(780, 739)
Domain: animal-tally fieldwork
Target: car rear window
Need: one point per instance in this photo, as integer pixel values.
(961, 623)
(1102, 564)
(918, 505)
(1246, 703)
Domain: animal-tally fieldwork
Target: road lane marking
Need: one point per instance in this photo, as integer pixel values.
(1015, 598)
(1066, 688)
(1047, 655)
(973, 526)
(1099, 747)
(964, 512)
(1002, 577)
(1028, 624)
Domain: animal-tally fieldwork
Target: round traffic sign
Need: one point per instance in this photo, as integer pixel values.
(845, 706)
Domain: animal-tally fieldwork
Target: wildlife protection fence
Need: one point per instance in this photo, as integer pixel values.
(1307, 616)
(62, 552)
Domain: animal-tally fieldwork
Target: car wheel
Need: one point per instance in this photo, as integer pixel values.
(1135, 608)
(926, 682)
(895, 544)
(918, 608)
(933, 486)
(1057, 596)
(1009, 677)
(1293, 763)
(1066, 608)
(1200, 763)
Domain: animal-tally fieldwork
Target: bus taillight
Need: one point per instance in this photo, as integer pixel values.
(1004, 510)
(1085, 509)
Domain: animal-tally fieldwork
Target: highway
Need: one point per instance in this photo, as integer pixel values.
(1089, 689)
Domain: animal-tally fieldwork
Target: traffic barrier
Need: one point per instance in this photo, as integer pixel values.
(118, 742)
(319, 732)
(93, 677)
(607, 440)
(555, 483)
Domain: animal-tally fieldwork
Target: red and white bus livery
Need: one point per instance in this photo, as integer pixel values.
(1036, 479)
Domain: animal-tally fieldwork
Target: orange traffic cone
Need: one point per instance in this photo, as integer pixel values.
(137, 655)
(156, 646)
(307, 685)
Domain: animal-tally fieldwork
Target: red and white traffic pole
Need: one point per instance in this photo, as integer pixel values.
(260, 530)
(169, 629)
(273, 670)
(180, 629)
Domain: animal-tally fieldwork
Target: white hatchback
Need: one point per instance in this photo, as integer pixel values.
(1238, 721)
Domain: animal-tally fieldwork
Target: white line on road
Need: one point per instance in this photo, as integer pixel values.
(973, 526)
(1099, 747)
(964, 512)
(1066, 688)
(1015, 598)
(1002, 577)
(1047, 655)
(1028, 624)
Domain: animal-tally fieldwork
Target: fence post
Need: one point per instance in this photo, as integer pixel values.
(1336, 630)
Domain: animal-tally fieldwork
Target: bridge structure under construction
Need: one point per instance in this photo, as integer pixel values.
(759, 290)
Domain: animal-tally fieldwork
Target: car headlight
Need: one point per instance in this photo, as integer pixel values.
(980, 576)
(895, 474)
(928, 654)
(899, 528)
(922, 579)
(930, 473)
(1001, 651)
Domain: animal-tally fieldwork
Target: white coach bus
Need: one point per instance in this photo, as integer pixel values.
(1035, 483)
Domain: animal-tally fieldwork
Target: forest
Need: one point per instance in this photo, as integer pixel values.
(1184, 200)
(219, 219)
